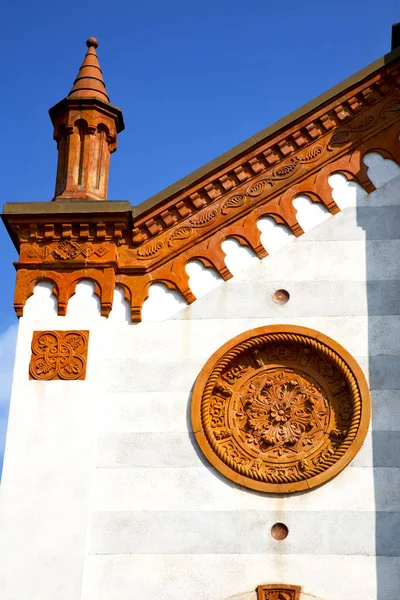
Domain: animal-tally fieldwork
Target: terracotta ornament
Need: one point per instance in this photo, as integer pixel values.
(86, 125)
(278, 592)
(133, 247)
(59, 355)
(280, 409)
(279, 531)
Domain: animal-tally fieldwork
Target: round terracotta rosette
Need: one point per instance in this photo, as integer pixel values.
(280, 409)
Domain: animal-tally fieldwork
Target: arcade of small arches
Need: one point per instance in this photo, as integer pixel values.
(162, 302)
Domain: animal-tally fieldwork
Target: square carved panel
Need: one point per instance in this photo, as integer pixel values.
(59, 355)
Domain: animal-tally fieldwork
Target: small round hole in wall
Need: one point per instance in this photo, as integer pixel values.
(279, 531)
(281, 297)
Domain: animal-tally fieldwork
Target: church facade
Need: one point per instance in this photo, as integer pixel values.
(206, 395)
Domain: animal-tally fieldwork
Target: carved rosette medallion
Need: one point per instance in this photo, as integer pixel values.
(278, 592)
(59, 355)
(280, 409)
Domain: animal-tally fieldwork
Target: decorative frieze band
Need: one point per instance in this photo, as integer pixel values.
(343, 117)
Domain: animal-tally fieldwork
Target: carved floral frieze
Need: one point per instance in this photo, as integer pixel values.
(59, 355)
(136, 251)
(280, 409)
(68, 250)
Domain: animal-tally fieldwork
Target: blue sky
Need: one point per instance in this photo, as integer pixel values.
(193, 79)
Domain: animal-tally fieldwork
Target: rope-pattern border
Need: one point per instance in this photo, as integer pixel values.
(291, 338)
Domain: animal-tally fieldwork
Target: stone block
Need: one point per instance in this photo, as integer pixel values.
(240, 532)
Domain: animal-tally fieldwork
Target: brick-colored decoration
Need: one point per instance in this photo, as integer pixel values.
(278, 592)
(112, 243)
(280, 409)
(85, 129)
(59, 355)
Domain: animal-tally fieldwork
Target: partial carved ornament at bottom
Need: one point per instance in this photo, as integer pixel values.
(278, 592)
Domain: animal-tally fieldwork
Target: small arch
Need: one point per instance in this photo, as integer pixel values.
(345, 191)
(273, 235)
(80, 125)
(121, 309)
(381, 170)
(81, 128)
(162, 301)
(238, 256)
(72, 287)
(102, 128)
(42, 303)
(84, 300)
(202, 279)
(309, 214)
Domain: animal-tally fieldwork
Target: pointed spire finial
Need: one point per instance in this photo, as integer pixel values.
(92, 41)
(86, 126)
(89, 82)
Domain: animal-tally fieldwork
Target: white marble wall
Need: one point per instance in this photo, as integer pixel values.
(49, 462)
(105, 493)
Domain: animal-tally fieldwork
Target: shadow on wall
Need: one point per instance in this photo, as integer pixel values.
(381, 224)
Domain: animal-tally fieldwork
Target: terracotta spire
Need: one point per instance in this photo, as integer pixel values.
(85, 128)
(89, 82)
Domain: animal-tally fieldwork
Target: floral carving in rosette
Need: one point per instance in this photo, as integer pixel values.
(280, 409)
(284, 413)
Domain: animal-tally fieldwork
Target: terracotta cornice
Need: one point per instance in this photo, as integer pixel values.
(282, 147)
(113, 248)
(328, 97)
(65, 242)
